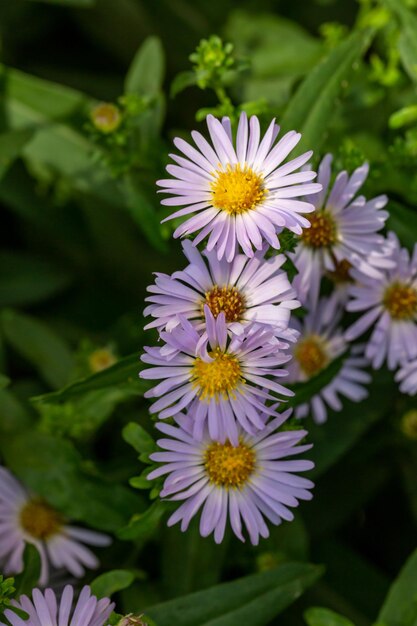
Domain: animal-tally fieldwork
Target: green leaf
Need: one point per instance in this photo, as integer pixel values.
(13, 415)
(81, 417)
(253, 600)
(25, 279)
(403, 117)
(11, 144)
(53, 469)
(144, 214)
(317, 616)
(146, 72)
(305, 391)
(344, 428)
(400, 605)
(277, 47)
(139, 438)
(37, 343)
(46, 100)
(407, 44)
(29, 578)
(312, 106)
(403, 221)
(143, 525)
(123, 374)
(105, 585)
(201, 561)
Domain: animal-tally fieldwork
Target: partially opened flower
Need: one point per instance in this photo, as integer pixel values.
(223, 380)
(244, 290)
(240, 194)
(407, 377)
(320, 343)
(242, 485)
(344, 230)
(25, 518)
(389, 306)
(44, 609)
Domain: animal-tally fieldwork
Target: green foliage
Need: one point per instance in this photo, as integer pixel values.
(105, 585)
(255, 599)
(146, 73)
(323, 617)
(400, 606)
(312, 106)
(7, 591)
(123, 375)
(53, 468)
(37, 343)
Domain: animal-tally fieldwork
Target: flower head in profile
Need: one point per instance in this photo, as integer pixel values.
(319, 344)
(240, 193)
(45, 610)
(389, 306)
(343, 231)
(241, 485)
(244, 290)
(224, 380)
(28, 519)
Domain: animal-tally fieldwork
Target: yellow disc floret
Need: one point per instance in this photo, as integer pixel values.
(322, 232)
(40, 520)
(218, 377)
(237, 190)
(227, 300)
(311, 355)
(229, 466)
(400, 300)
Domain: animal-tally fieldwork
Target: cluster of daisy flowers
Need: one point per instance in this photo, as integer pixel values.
(229, 341)
(225, 335)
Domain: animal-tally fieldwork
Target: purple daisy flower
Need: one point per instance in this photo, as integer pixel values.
(244, 290)
(45, 610)
(344, 230)
(28, 519)
(222, 379)
(240, 195)
(390, 303)
(407, 376)
(244, 484)
(321, 342)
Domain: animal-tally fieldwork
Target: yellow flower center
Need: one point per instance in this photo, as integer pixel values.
(40, 520)
(229, 466)
(322, 232)
(237, 190)
(218, 377)
(227, 300)
(311, 355)
(340, 274)
(400, 301)
(101, 359)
